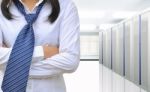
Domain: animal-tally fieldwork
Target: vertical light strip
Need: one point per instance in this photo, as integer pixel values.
(102, 48)
(139, 49)
(124, 49)
(111, 50)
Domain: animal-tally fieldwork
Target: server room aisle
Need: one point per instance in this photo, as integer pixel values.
(112, 82)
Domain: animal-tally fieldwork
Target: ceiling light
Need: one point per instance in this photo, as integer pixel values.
(123, 14)
(91, 14)
(105, 26)
(87, 27)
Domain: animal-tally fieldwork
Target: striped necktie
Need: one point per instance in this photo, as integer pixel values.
(18, 66)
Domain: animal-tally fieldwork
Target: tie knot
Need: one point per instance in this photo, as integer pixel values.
(30, 18)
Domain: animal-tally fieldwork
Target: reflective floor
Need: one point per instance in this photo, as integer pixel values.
(112, 82)
(92, 77)
(85, 79)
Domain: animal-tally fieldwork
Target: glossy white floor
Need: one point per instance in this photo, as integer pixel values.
(112, 82)
(85, 79)
(92, 77)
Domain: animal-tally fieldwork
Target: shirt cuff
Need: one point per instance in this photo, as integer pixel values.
(38, 53)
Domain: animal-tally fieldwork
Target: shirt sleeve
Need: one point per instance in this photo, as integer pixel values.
(5, 52)
(68, 58)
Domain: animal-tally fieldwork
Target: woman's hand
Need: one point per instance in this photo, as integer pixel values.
(50, 51)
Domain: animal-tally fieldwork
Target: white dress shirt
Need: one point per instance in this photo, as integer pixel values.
(46, 75)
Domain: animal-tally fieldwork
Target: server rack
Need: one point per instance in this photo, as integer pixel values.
(145, 51)
(132, 69)
(101, 47)
(117, 49)
(107, 48)
(126, 49)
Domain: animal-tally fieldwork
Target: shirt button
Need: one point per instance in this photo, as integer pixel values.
(29, 85)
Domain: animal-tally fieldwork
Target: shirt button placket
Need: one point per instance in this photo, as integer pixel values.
(30, 86)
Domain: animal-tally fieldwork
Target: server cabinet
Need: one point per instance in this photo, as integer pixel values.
(107, 48)
(145, 51)
(101, 47)
(117, 49)
(132, 50)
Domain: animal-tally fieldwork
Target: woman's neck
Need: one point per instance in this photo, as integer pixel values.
(30, 3)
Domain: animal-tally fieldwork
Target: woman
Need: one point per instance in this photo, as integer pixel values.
(39, 42)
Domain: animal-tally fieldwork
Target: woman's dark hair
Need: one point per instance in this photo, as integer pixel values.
(52, 17)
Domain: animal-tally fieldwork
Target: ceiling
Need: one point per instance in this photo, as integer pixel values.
(107, 12)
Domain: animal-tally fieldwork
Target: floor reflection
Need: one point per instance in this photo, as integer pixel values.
(94, 77)
(112, 82)
(85, 79)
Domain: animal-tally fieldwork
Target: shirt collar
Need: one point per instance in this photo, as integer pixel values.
(37, 4)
